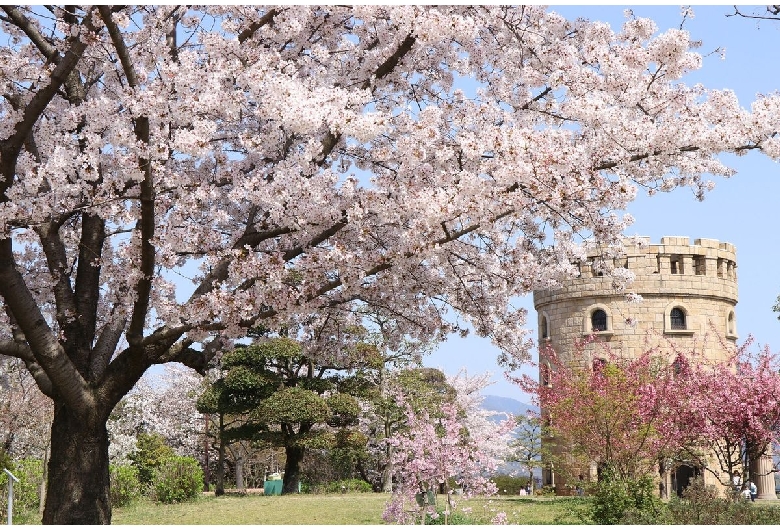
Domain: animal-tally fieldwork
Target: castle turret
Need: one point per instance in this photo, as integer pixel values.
(688, 292)
(688, 295)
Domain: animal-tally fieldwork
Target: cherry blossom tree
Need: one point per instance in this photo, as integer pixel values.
(490, 429)
(25, 413)
(630, 415)
(171, 177)
(434, 454)
(162, 403)
(458, 445)
(424, 390)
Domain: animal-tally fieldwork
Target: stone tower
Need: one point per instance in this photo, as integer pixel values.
(688, 291)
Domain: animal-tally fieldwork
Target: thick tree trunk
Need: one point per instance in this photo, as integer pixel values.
(78, 489)
(292, 469)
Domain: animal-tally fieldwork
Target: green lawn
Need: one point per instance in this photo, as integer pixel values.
(354, 508)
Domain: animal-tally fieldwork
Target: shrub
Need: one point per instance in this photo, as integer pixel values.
(151, 451)
(509, 485)
(700, 505)
(617, 498)
(547, 491)
(27, 498)
(177, 479)
(125, 486)
(352, 485)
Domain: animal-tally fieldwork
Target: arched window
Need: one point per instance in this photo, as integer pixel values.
(731, 328)
(543, 328)
(598, 320)
(677, 318)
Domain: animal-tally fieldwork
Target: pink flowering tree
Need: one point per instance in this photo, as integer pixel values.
(728, 412)
(489, 429)
(171, 177)
(436, 455)
(615, 412)
(25, 413)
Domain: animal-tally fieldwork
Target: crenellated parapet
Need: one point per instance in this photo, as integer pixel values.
(707, 268)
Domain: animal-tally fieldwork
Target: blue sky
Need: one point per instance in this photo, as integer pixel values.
(743, 210)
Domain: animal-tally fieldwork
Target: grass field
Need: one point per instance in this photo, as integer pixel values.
(354, 508)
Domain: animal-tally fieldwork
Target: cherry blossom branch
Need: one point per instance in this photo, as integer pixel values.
(49, 353)
(268, 18)
(10, 148)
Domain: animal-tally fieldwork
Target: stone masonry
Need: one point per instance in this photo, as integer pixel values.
(689, 294)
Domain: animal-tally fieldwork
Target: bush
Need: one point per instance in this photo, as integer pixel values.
(352, 485)
(125, 486)
(546, 491)
(178, 479)
(151, 451)
(618, 498)
(27, 498)
(700, 505)
(508, 485)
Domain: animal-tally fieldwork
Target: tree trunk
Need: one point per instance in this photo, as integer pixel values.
(219, 488)
(292, 469)
(240, 471)
(387, 473)
(78, 488)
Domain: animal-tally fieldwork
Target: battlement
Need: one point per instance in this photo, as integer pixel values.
(673, 256)
(675, 267)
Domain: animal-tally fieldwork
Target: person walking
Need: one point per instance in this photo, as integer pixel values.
(753, 491)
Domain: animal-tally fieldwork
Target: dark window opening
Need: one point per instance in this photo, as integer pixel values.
(598, 320)
(544, 328)
(598, 365)
(677, 317)
(676, 264)
(678, 366)
(700, 265)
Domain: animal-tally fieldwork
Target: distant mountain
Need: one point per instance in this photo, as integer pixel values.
(508, 405)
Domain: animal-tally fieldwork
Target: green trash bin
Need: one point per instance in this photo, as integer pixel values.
(273, 487)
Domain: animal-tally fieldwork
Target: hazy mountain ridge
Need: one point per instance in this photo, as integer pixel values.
(508, 405)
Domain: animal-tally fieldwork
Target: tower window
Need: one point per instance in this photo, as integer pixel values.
(677, 318)
(700, 265)
(598, 320)
(676, 264)
(543, 328)
(732, 330)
